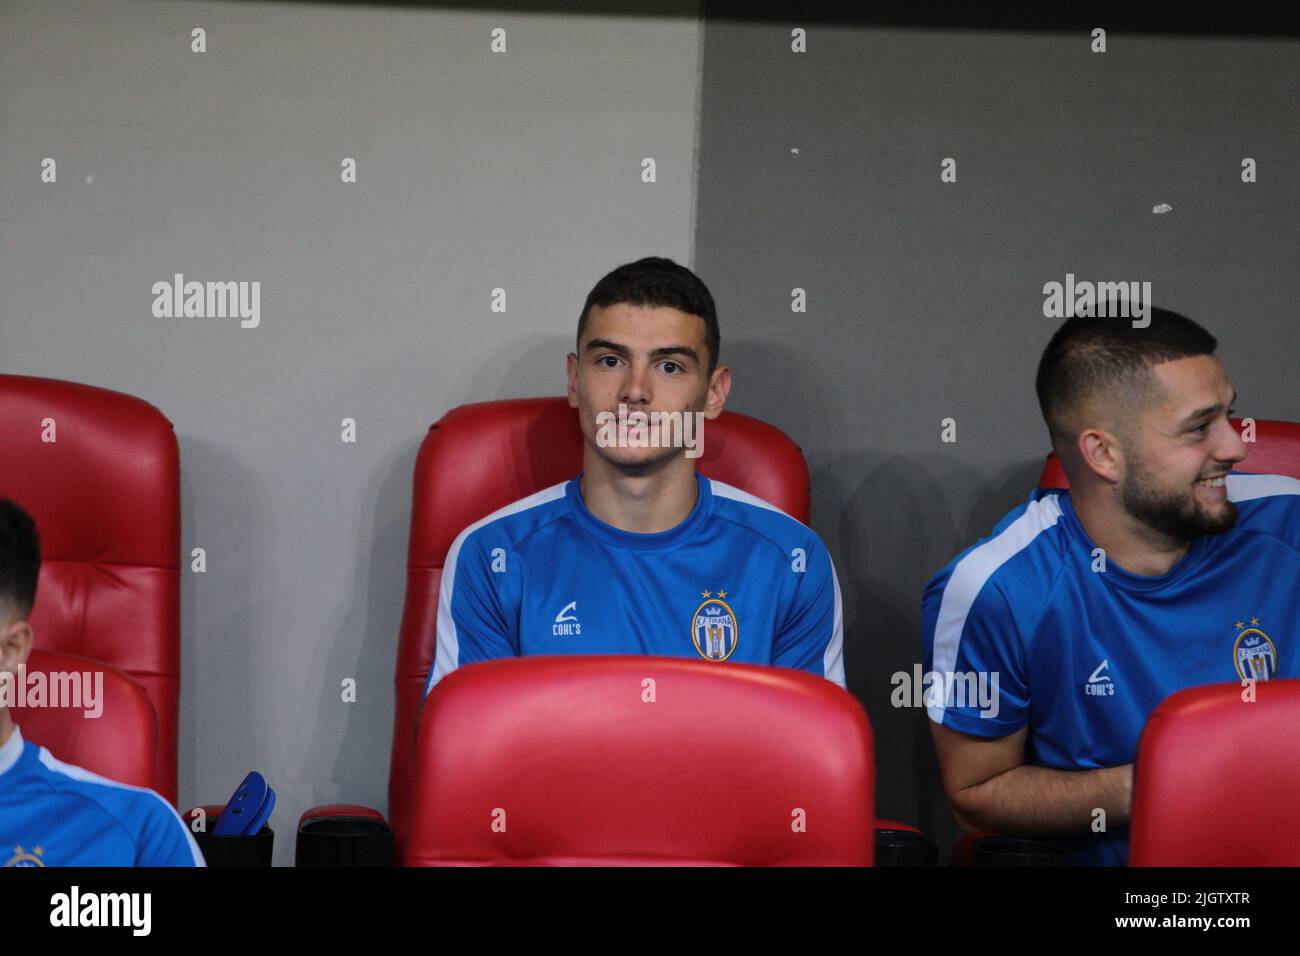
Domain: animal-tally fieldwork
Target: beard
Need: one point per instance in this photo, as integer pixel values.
(1179, 517)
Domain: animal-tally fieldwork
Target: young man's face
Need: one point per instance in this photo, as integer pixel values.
(1180, 449)
(650, 359)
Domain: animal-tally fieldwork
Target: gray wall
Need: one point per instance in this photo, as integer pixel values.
(925, 298)
(476, 170)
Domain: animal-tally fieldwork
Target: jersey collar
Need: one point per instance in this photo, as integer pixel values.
(635, 541)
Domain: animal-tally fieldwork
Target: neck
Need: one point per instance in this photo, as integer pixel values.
(6, 726)
(648, 503)
(1128, 543)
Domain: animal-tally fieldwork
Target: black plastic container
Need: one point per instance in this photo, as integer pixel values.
(237, 850)
(344, 841)
(904, 848)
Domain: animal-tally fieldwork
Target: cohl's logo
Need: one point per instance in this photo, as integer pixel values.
(1099, 684)
(566, 624)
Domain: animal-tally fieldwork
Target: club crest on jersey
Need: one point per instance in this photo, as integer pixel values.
(26, 859)
(1254, 654)
(715, 629)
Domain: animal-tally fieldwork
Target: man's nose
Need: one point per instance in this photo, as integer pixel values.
(1232, 448)
(636, 386)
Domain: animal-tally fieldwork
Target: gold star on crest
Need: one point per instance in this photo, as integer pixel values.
(722, 594)
(1254, 622)
(706, 594)
(1239, 625)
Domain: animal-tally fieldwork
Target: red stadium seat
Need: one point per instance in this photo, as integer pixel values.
(481, 457)
(562, 760)
(1275, 451)
(99, 471)
(120, 742)
(478, 458)
(1205, 793)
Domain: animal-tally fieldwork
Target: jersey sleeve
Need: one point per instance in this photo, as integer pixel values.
(473, 623)
(974, 674)
(163, 839)
(811, 637)
(1269, 504)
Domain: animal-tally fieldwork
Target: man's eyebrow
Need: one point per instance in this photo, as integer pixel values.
(685, 350)
(1211, 410)
(676, 350)
(607, 344)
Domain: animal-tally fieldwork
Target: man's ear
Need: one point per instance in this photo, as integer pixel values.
(719, 388)
(571, 370)
(1100, 451)
(15, 644)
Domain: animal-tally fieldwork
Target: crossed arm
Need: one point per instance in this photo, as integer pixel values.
(990, 787)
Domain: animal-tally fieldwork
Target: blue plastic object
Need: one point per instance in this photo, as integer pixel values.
(248, 808)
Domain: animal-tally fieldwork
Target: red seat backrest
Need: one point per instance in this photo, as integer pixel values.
(105, 495)
(1218, 779)
(1275, 451)
(481, 457)
(104, 724)
(626, 760)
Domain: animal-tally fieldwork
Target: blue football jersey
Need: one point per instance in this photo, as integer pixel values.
(56, 814)
(1084, 651)
(736, 580)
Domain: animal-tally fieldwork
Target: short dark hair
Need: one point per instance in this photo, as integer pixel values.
(20, 559)
(658, 283)
(1089, 357)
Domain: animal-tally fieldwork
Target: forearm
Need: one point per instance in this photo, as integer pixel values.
(1040, 801)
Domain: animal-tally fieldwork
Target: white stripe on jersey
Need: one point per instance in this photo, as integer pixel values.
(724, 490)
(447, 646)
(1250, 487)
(833, 659)
(972, 573)
(82, 775)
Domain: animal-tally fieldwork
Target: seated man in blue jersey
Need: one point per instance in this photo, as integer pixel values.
(1158, 570)
(639, 554)
(53, 813)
